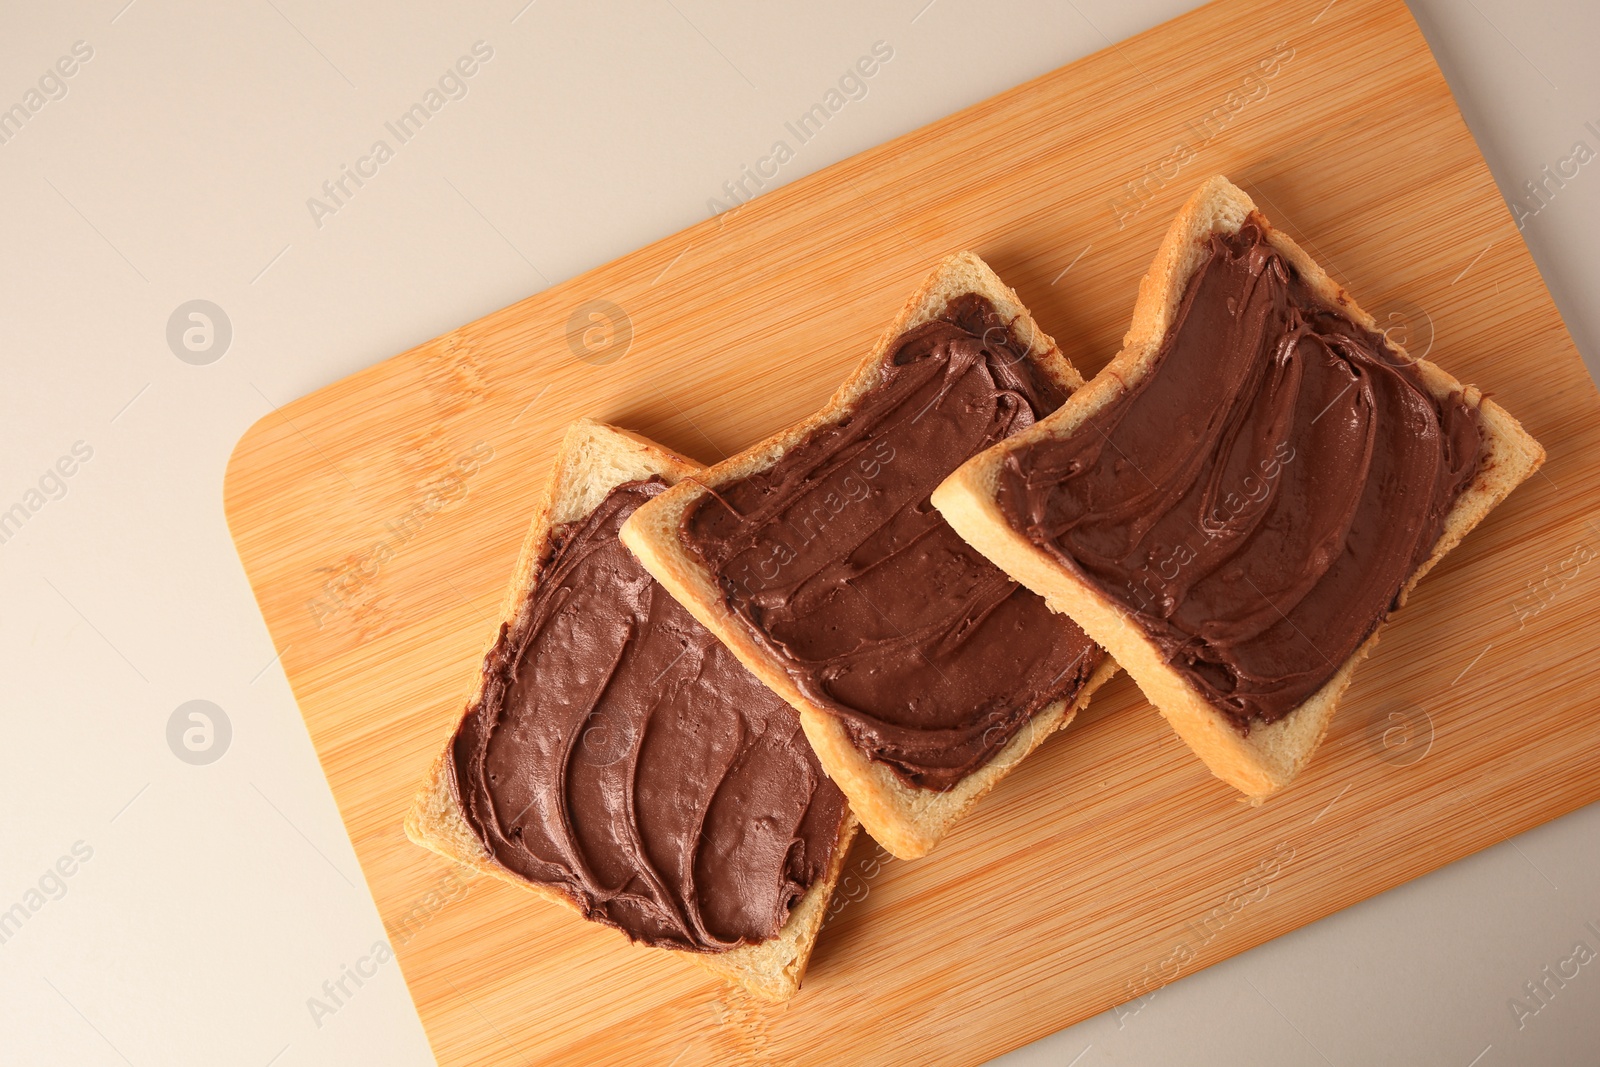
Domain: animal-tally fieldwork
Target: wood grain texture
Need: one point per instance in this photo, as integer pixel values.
(379, 520)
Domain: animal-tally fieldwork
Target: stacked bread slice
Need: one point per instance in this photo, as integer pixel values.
(593, 460)
(1264, 759)
(906, 818)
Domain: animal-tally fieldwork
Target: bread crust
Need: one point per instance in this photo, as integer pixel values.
(906, 820)
(594, 459)
(1271, 755)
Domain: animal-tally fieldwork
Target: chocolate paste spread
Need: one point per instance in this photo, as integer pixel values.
(930, 656)
(623, 756)
(1258, 499)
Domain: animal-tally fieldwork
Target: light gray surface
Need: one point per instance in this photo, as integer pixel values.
(219, 897)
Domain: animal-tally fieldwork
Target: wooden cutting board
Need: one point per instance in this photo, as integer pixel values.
(379, 520)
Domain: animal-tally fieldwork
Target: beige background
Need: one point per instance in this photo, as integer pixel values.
(175, 164)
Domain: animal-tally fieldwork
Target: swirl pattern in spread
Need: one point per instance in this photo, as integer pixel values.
(1258, 499)
(931, 657)
(621, 755)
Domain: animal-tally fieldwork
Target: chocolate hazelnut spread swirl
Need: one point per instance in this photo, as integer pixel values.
(1258, 499)
(834, 558)
(622, 756)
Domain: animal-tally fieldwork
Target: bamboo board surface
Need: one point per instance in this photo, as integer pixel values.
(379, 520)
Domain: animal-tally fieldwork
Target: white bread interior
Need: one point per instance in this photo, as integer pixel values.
(593, 460)
(905, 819)
(1270, 756)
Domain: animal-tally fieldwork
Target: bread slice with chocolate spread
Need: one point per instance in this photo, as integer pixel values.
(1238, 552)
(922, 674)
(581, 748)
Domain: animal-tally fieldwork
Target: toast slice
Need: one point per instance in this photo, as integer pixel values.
(593, 460)
(1268, 756)
(907, 819)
